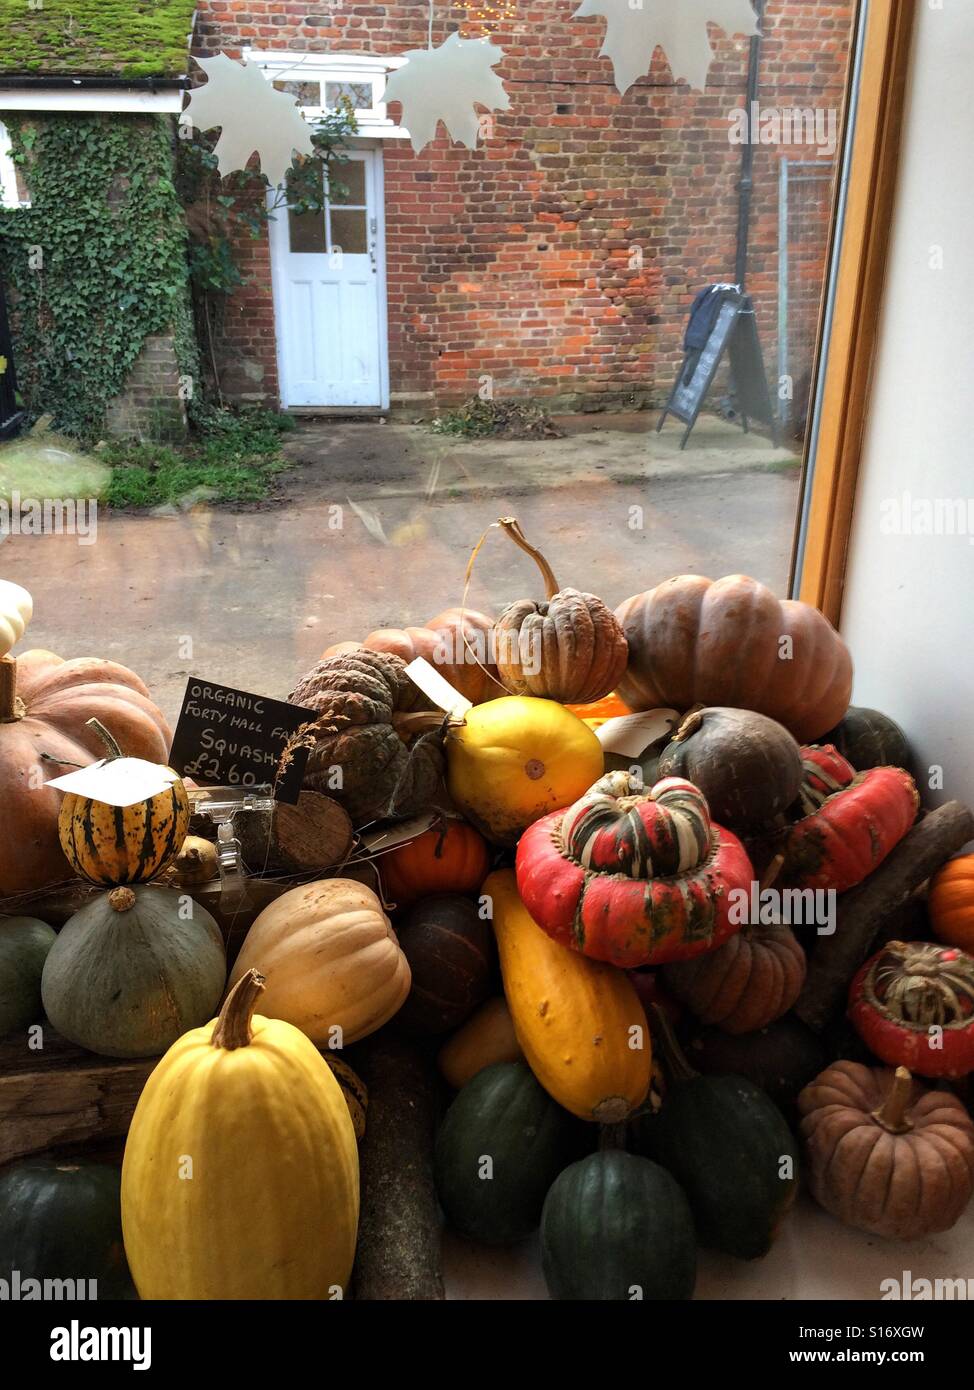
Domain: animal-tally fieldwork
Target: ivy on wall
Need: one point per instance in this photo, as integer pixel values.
(96, 264)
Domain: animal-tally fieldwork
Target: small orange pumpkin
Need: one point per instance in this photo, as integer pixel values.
(451, 857)
(950, 903)
(598, 711)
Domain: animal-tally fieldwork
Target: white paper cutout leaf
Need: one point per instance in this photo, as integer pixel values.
(117, 781)
(679, 27)
(445, 84)
(253, 117)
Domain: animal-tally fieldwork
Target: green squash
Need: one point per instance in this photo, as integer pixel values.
(24, 944)
(618, 1227)
(502, 1143)
(868, 738)
(730, 1149)
(130, 972)
(61, 1219)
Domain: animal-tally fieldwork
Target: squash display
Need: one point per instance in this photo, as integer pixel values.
(487, 1037)
(449, 949)
(240, 1178)
(616, 1226)
(61, 1219)
(912, 1003)
(131, 971)
(501, 1145)
(456, 646)
(824, 772)
(365, 753)
(516, 759)
(950, 903)
(631, 876)
(24, 944)
(332, 963)
(45, 708)
(869, 738)
(747, 766)
(451, 857)
(580, 1023)
(884, 1154)
(729, 1148)
(696, 641)
(123, 844)
(747, 983)
(568, 648)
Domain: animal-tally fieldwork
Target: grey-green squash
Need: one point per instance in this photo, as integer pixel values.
(24, 944)
(133, 970)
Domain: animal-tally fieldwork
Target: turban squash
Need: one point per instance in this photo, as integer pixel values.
(729, 641)
(631, 876)
(912, 1003)
(45, 707)
(454, 641)
(885, 1155)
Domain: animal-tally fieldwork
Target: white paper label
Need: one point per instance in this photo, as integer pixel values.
(391, 835)
(121, 782)
(631, 734)
(438, 689)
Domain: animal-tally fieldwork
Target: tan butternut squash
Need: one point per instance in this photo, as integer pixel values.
(487, 1037)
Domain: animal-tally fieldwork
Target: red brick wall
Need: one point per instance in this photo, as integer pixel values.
(515, 260)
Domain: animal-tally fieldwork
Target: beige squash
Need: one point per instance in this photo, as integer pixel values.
(330, 959)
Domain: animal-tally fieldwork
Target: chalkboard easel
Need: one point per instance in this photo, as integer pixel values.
(734, 331)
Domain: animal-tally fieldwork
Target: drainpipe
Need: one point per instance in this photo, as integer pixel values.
(747, 151)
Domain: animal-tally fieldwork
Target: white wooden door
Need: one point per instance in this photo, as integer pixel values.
(329, 292)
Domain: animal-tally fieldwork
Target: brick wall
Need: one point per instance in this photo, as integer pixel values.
(561, 257)
(149, 406)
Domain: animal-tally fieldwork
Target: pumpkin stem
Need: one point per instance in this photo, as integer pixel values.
(121, 899)
(892, 1113)
(612, 1136)
(107, 739)
(10, 707)
(418, 722)
(677, 1066)
(513, 528)
(233, 1026)
(691, 723)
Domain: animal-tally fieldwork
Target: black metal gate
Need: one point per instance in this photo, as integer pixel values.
(11, 414)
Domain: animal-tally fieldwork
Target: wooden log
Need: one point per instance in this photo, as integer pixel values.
(862, 911)
(312, 835)
(398, 1255)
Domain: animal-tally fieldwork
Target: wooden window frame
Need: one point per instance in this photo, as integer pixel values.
(852, 300)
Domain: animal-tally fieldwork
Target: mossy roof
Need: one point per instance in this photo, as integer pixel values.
(95, 38)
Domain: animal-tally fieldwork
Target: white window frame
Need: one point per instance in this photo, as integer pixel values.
(10, 198)
(336, 67)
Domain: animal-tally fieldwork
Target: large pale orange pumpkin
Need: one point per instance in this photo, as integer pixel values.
(950, 903)
(446, 643)
(45, 706)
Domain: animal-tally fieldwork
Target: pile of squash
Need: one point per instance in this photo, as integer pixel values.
(591, 945)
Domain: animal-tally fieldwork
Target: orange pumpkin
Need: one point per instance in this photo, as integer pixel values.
(442, 636)
(950, 903)
(609, 707)
(449, 858)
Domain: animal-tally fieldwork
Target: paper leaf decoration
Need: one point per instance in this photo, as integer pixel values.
(117, 781)
(253, 116)
(445, 84)
(16, 611)
(633, 31)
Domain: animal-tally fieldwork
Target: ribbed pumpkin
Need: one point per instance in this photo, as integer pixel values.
(884, 1154)
(912, 1003)
(45, 708)
(24, 944)
(580, 1023)
(331, 961)
(458, 648)
(131, 971)
(123, 844)
(744, 985)
(950, 903)
(511, 761)
(487, 1037)
(240, 1178)
(631, 876)
(60, 1219)
(696, 641)
(451, 857)
(16, 610)
(569, 647)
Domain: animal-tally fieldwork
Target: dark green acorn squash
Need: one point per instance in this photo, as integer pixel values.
(618, 1227)
(502, 1143)
(730, 1149)
(780, 1059)
(868, 738)
(61, 1219)
(24, 944)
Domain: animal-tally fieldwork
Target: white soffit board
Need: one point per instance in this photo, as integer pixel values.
(70, 98)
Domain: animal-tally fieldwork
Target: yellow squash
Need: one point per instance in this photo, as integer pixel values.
(487, 1037)
(240, 1178)
(579, 1022)
(513, 760)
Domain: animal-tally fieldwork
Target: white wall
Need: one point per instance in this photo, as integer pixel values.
(908, 611)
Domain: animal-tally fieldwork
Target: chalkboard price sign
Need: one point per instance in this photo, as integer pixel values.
(232, 738)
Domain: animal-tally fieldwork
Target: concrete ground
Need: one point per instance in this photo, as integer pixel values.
(376, 529)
